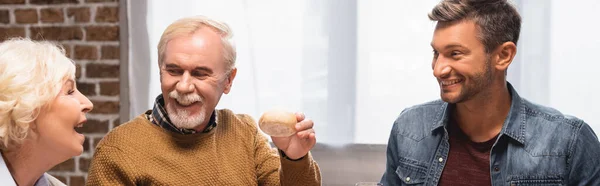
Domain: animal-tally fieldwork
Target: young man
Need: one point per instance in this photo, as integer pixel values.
(184, 140)
(482, 132)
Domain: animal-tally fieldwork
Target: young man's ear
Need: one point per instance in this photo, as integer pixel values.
(229, 80)
(505, 53)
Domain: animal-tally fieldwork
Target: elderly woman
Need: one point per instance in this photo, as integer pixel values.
(40, 107)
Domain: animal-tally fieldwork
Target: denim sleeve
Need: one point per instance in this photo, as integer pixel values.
(389, 176)
(584, 159)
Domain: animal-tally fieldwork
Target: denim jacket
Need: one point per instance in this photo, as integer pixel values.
(537, 146)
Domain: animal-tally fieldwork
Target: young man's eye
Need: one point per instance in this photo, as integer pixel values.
(435, 54)
(70, 92)
(455, 53)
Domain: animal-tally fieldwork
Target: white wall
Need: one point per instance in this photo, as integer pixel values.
(282, 46)
(286, 49)
(575, 60)
(394, 64)
(556, 63)
(283, 57)
(163, 13)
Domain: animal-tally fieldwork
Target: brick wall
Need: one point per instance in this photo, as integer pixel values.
(89, 31)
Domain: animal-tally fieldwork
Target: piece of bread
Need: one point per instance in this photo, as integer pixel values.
(278, 123)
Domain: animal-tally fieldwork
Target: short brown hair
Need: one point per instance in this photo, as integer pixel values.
(497, 20)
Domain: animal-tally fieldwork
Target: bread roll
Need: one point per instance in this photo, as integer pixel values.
(278, 123)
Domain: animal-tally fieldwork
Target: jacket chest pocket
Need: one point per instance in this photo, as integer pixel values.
(411, 172)
(537, 181)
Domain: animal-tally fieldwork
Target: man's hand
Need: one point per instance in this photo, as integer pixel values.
(297, 146)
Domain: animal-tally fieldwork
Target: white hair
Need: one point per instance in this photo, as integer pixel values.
(31, 76)
(189, 25)
(181, 118)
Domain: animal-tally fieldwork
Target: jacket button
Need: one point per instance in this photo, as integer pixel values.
(441, 160)
(407, 179)
(496, 169)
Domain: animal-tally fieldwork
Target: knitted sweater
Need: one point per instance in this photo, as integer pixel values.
(234, 153)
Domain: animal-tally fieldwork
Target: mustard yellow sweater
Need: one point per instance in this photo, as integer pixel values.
(234, 153)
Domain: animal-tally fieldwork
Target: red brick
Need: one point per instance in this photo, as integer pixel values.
(109, 88)
(105, 107)
(96, 141)
(68, 165)
(77, 71)
(102, 71)
(102, 33)
(111, 52)
(86, 52)
(60, 178)
(107, 14)
(81, 15)
(93, 126)
(57, 33)
(26, 16)
(53, 1)
(87, 89)
(77, 180)
(95, 1)
(84, 164)
(6, 33)
(86, 145)
(116, 122)
(52, 15)
(12, 1)
(67, 48)
(4, 16)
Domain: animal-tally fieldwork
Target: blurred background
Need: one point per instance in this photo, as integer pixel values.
(350, 65)
(353, 65)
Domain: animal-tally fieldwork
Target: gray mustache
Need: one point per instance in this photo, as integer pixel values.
(185, 98)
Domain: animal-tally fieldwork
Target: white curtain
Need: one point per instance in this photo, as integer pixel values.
(557, 57)
(353, 65)
(394, 64)
(290, 56)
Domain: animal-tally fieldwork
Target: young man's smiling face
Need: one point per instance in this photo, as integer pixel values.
(460, 63)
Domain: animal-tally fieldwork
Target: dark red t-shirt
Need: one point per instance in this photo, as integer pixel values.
(468, 162)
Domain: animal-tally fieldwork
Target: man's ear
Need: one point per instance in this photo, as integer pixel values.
(229, 80)
(504, 55)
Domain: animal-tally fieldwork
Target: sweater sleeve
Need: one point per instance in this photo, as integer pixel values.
(266, 160)
(273, 169)
(304, 171)
(110, 166)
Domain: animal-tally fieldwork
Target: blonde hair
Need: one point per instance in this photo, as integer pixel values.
(189, 25)
(498, 21)
(31, 76)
